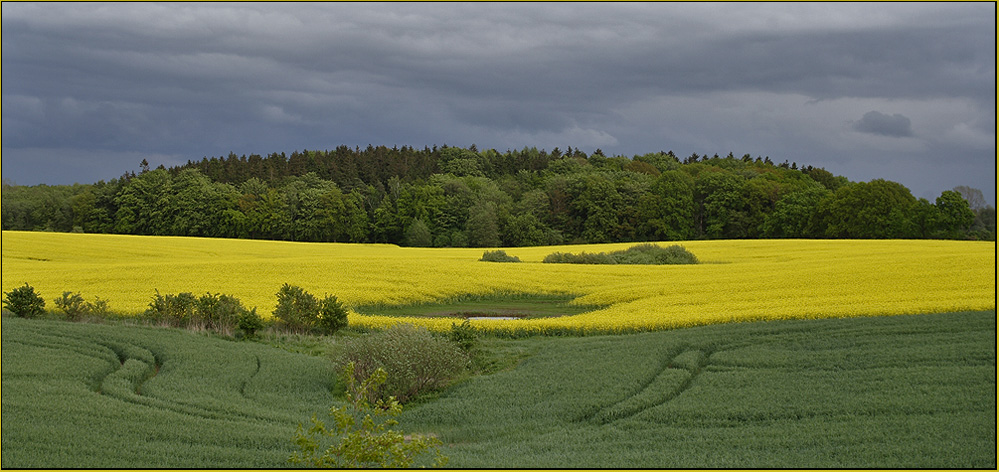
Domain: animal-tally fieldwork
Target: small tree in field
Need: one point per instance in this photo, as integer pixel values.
(358, 441)
(73, 305)
(296, 308)
(24, 302)
(332, 315)
(300, 311)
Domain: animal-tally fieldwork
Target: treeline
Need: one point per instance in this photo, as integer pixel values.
(458, 197)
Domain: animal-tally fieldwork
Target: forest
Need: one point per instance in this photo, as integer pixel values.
(463, 197)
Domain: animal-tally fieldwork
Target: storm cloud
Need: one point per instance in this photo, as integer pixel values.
(90, 89)
(875, 122)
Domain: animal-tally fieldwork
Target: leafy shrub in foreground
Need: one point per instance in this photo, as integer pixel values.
(416, 360)
(364, 443)
(463, 335)
(24, 302)
(498, 256)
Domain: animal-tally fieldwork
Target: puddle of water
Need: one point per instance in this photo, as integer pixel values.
(493, 318)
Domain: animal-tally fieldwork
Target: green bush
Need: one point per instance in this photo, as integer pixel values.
(463, 335)
(300, 311)
(175, 310)
(249, 322)
(24, 302)
(366, 443)
(498, 256)
(73, 305)
(581, 258)
(332, 315)
(219, 313)
(416, 360)
(649, 254)
(296, 309)
(654, 254)
(215, 312)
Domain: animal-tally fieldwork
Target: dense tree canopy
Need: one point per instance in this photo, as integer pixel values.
(458, 197)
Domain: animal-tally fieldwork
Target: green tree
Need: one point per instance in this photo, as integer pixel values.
(24, 302)
(483, 226)
(955, 215)
(668, 208)
(876, 209)
(296, 309)
(795, 215)
(418, 234)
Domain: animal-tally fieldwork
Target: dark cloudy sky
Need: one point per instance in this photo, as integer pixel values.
(902, 91)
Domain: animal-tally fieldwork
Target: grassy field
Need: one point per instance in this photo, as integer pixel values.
(902, 391)
(737, 281)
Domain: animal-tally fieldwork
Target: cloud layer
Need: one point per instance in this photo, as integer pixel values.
(851, 87)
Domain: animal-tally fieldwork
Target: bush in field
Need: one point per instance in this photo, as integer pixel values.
(73, 305)
(332, 315)
(463, 335)
(357, 441)
(581, 258)
(655, 255)
(300, 311)
(24, 302)
(296, 308)
(249, 322)
(416, 360)
(498, 256)
(218, 312)
(175, 310)
(647, 254)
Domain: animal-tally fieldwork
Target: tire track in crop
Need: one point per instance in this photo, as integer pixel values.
(136, 366)
(673, 378)
(242, 387)
(125, 383)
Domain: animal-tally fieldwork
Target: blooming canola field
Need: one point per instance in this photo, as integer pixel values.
(739, 280)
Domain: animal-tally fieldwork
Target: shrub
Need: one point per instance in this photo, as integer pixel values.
(654, 254)
(218, 312)
(463, 335)
(416, 360)
(498, 256)
(364, 443)
(650, 254)
(99, 307)
(249, 322)
(581, 258)
(301, 312)
(176, 310)
(332, 315)
(296, 309)
(73, 305)
(24, 302)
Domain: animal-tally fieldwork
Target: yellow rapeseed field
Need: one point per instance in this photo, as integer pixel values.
(736, 281)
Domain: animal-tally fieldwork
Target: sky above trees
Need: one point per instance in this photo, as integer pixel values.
(900, 91)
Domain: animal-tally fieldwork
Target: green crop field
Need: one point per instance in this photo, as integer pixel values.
(902, 391)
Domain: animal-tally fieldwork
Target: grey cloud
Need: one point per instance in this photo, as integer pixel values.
(201, 79)
(875, 122)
